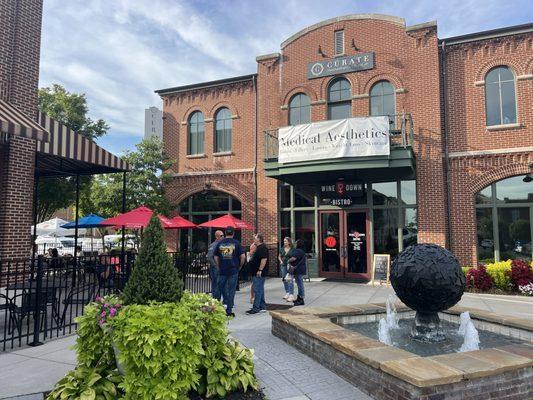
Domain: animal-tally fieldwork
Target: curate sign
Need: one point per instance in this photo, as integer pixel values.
(340, 65)
(352, 137)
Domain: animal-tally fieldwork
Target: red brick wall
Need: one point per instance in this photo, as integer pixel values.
(466, 66)
(409, 59)
(20, 37)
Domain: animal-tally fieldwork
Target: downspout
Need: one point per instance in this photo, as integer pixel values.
(256, 200)
(446, 150)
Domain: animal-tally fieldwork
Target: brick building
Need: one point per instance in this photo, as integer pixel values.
(456, 164)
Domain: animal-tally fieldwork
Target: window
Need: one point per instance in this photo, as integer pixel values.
(196, 133)
(339, 43)
(339, 99)
(223, 125)
(299, 109)
(504, 212)
(201, 207)
(382, 100)
(500, 97)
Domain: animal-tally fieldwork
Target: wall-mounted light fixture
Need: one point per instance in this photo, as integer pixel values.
(529, 177)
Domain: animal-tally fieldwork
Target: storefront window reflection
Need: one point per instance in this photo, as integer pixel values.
(409, 230)
(386, 232)
(304, 196)
(503, 212)
(408, 192)
(385, 193)
(304, 228)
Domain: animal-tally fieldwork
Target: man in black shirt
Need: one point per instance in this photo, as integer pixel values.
(259, 270)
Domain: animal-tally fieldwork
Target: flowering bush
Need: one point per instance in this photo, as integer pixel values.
(521, 273)
(109, 307)
(500, 274)
(526, 289)
(478, 278)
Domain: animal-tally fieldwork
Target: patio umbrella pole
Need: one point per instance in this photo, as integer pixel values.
(122, 255)
(77, 217)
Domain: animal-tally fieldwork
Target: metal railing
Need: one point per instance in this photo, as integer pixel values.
(40, 298)
(401, 135)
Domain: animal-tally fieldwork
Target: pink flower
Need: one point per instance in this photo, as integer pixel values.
(118, 305)
(106, 305)
(113, 311)
(103, 314)
(98, 298)
(101, 322)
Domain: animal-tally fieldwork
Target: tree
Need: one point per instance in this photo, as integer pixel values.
(145, 183)
(153, 278)
(70, 109)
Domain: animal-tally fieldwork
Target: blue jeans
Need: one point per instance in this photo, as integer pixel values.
(258, 286)
(300, 283)
(227, 284)
(213, 274)
(289, 286)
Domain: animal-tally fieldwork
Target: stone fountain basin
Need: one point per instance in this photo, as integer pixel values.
(386, 372)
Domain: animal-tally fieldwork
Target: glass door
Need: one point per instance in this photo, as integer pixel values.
(331, 263)
(344, 250)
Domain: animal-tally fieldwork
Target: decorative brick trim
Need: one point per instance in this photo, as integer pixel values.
(321, 101)
(490, 152)
(202, 173)
(361, 96)
(479, 83)
(193, 156)
(524, 77)
(223, 154)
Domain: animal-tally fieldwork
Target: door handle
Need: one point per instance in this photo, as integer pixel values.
(344, 251)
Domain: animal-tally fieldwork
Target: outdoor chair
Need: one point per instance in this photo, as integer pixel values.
(81, 294)
(7, 305)
(27, 308)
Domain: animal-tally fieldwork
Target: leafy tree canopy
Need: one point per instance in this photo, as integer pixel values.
(144, 184)
(71, 110)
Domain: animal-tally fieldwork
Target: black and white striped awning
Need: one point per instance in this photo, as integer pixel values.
(68, 152)
(14, 123)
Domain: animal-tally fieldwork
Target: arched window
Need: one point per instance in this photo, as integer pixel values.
(500, 97)
(299, 109)
(223, 125)
(196, 132)
(503, 214)
(382, 100)
(202, 207)
(339, 99)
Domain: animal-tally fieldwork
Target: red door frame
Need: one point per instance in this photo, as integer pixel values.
(342, 273)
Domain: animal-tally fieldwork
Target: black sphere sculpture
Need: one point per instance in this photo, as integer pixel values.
(428, 279)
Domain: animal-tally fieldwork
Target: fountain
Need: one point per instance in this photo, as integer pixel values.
(428, 279)
(426, 347)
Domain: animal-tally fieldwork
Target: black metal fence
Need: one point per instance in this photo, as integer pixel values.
(40, 298)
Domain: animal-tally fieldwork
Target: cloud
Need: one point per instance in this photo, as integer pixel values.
(119, 52)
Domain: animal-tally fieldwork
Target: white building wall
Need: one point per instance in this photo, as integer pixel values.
(153, 122)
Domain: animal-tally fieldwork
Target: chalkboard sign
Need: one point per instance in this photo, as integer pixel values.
(381, 268)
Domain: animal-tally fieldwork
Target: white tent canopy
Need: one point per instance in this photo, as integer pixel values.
(52, 227)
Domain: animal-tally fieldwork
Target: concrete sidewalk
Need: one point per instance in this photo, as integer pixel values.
(283, 372)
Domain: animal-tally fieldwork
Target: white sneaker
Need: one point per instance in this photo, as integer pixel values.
(291, 298)
(286, 296)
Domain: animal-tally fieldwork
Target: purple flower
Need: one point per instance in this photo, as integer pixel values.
(113, 311)
(98, 298)
(103, 314)
(101, 322)
(106, 305)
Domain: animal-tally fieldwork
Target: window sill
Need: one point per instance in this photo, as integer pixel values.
(196, 156)
(223, 154)
(503, 127)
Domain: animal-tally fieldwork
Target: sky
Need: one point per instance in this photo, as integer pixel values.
(118, 52)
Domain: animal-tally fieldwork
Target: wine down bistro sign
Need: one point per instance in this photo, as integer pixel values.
(325, 140)
(340, 65)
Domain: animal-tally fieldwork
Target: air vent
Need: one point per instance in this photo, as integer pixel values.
(339, 43)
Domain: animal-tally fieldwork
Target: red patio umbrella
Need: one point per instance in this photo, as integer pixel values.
(225, 221)
(135, 219)
(181, 223)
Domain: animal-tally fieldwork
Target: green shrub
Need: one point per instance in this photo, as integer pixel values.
(499, 273)
(226, 366)
(465, 270)
(160, 347)
(93, 347)
(153, 278)
(88, 383)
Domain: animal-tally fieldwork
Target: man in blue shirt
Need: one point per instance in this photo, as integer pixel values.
(229, 257)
